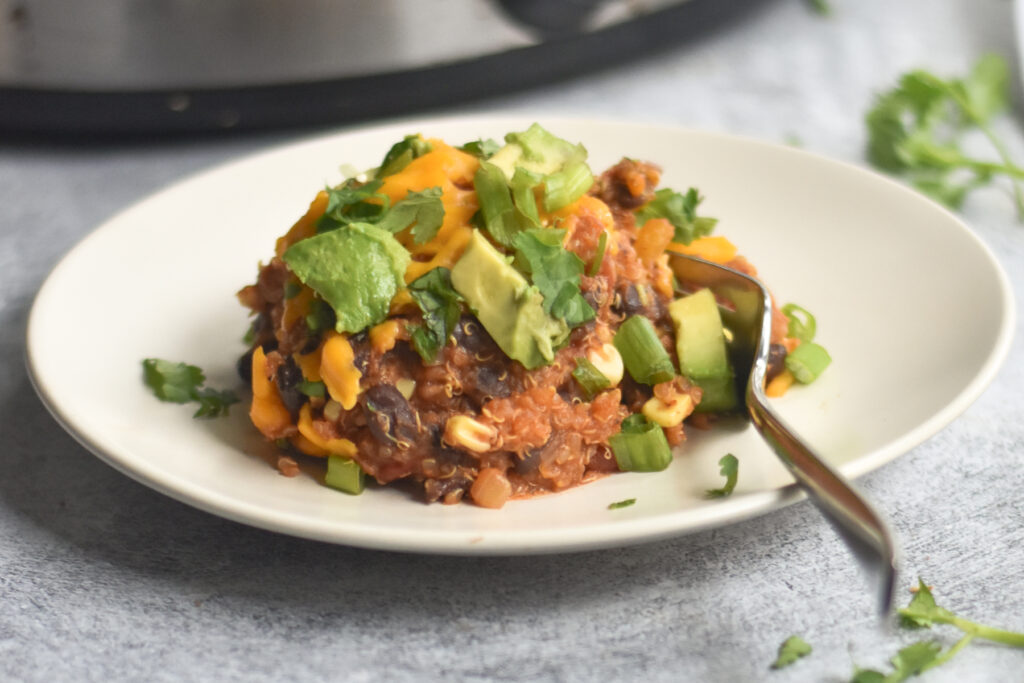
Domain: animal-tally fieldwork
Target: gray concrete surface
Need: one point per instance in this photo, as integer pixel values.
(102, 579)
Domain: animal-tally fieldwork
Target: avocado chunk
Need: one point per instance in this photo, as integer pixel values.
(700, 346)
(506, 305)
(536, 150)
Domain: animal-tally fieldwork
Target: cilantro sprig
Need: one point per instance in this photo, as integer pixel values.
(434, 294)
(681, 211)
(915, 131)
(183, 383)
(729, 467)
(556, 272)
(923, 612)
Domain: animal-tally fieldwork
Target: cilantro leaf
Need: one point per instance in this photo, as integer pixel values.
(681, 211)
(424, 208)
(821, 7)
(729, 468)
(356, 269)
(792, 649)
(350, 203)
(555, 272)
(914, 130)
(481, 148)
(402, 153)
(183, 383)
(439, 301)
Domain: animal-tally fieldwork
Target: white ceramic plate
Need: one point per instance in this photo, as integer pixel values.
(912, 306)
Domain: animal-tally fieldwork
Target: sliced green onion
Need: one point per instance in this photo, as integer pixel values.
(525, 201)
(642, 353)
(344, 474)
(805, 329)
(595, 265)
(641, 446)
(563, 187)
(807, 361)
(590, 379)
(312, 389)
(618, 505)
(496, 207)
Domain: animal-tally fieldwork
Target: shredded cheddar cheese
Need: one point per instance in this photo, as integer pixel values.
(338, 370)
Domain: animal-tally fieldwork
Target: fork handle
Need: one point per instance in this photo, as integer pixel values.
(862, 527)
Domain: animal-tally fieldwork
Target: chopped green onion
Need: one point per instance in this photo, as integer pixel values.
(496, 206)
(805, 329)
(641, 446)
(563, 187)
(621, 504)
(344, 474)
(595, 265)
(312, 389)
(590, 379)
(807, 361)
(642, 353)
(525, 201)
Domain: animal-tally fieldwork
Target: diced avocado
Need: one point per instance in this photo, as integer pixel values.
(700, 346)
(536, 150)
(507, 306)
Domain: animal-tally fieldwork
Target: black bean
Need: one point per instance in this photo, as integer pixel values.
(287, 378)
(244, 366)
(491, 381)
(471, 336)
(391, 419)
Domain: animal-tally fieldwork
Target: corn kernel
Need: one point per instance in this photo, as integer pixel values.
(464, 431)
(668, 414)
(608, 362)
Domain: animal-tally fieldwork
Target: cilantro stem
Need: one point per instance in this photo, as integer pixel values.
(1008, 166)
(950, 653)
(996, 635)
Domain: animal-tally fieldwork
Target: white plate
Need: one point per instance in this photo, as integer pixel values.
(914, 309)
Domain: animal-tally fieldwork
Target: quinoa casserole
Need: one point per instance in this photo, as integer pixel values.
(493, 321)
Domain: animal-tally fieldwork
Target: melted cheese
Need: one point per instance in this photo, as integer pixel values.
(338, 370)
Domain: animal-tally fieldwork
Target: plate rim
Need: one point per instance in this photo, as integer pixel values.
(511, 542)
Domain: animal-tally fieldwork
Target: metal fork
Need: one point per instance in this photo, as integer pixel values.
(749, 318)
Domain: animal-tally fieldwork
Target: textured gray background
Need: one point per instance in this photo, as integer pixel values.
(103, 579)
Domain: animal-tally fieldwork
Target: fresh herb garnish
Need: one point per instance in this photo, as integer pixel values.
(821, 7)
(312, 389)
(556, 273)
(439, 301)
(681, 211)
(498, 212)
(424, 209)
(621, 504)
(481, 148)
(792, 649)
(350, 203)
(357, 270)
(802, 324)
(183, 383)
(914, 130)
(729, 468)
(923, 612)
(590, 379)
(402, 153)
